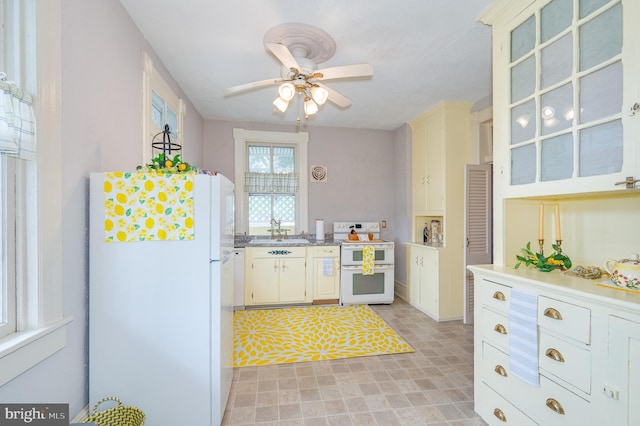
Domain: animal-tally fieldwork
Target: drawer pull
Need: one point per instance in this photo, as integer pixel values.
(555, 406)
(498, 295)
(500, 415)
(554, 354)
(553, 314)
(500, 370)
(500, 329)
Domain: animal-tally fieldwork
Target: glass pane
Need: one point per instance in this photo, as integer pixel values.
(283, 159)
(523, 38)
(172, 121)
(557, 158)
(588, 6)
(260, 159)
(523, 164)
(259, 211)
(556, 109)
(368, 284)
(601, 38)
(284, 209)
(556, 61)
(523, 122)
(601, 93)
(601, 149)
(523, 79)
(157, 111)
(554, 18)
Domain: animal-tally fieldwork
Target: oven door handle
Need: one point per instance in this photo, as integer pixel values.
(360, 246)
(359, 268)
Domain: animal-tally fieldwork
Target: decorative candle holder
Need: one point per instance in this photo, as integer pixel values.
(541, 244)
(559, 245)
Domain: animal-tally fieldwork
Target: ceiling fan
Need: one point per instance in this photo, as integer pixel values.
(300, 47)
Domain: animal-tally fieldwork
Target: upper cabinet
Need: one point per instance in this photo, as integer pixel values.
(566, 96)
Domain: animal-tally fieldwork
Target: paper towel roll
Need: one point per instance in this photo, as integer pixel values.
(319, 230)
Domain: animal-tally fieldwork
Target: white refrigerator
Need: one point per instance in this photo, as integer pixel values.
(161, 311)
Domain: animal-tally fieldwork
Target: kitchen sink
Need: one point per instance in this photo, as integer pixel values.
(270, 242)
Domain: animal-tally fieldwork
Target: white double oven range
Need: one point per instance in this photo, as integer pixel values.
(356, 287)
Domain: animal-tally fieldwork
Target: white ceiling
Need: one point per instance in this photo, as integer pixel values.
(422, 52)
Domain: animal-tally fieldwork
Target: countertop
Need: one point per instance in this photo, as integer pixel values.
(242, 241)
(421, 244)
(580, 287)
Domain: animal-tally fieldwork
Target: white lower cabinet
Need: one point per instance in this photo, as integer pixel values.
(277, 275)
(588, 351)
(325, 273)
(622, 388)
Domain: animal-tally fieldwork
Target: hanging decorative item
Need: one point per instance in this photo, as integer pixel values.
(164, 162)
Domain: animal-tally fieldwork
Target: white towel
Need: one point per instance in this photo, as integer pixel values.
(523, 336)
(327, 266)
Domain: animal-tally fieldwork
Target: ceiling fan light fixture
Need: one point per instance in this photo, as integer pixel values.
(287, 91)
(310, 107)
(319, 94)
(281, 104)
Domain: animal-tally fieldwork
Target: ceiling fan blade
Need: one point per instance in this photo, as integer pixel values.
(346, 71)
(283, 54)
(250, 86)
(335, 97)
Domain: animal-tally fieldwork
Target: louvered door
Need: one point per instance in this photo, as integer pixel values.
(478, 230)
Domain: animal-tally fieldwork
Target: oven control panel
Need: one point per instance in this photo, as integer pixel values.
(365, 227)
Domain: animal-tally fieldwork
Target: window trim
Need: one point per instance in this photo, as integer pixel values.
(40, 322)
(242, 138)
(152, 81)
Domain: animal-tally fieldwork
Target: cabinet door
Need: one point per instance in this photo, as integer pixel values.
(429, 282)
(419, 161)
(264, 281)
(293, 284)
(326, 286)
(416, 261)
(622, 385)
(435, 162)
(568, 87)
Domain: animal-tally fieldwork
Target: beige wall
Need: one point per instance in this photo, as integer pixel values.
(593, 228)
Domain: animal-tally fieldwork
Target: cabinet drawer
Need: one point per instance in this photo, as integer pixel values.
(564, 318)
(326, 251)
(566, 361)
(495, 329)
(495, 295)
(554, 405)
(495, 368)
(278, 252)
(496, 410)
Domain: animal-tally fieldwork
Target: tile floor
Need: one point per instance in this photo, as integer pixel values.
(432, 386)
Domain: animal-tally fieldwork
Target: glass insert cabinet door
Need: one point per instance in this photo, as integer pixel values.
(567, 112)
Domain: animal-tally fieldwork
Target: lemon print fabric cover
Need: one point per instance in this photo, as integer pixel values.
(368, 254)
(148, 206)
(311, 333)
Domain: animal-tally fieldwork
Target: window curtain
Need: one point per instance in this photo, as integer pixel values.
(271, 182)
(17, 122)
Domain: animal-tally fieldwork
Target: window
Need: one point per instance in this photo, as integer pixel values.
(30, 193)
(161, 107)
(270, 180)
(272, 183)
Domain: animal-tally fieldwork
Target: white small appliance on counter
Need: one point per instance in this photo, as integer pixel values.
(355, 287)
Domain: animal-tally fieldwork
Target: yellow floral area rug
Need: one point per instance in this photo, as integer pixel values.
(312, 333)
